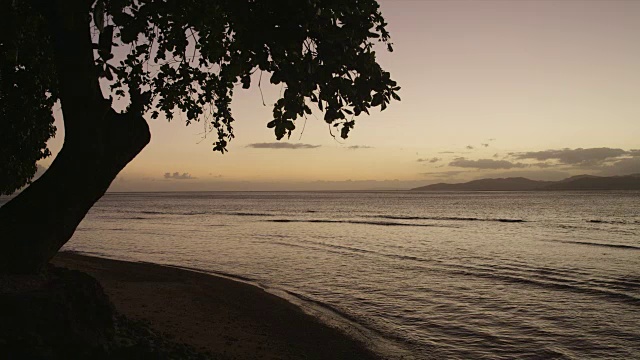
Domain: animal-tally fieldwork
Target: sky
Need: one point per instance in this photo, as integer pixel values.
(541, 89)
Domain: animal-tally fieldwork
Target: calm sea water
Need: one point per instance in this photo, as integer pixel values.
(424, 275)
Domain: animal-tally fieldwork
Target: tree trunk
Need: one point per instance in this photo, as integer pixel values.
(98, 144)
(41, 219)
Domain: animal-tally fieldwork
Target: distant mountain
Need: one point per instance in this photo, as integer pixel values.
(580, 182)
(629, 182)
(508, 184)
(577, 177)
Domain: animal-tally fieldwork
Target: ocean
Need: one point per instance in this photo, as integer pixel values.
(495, 275)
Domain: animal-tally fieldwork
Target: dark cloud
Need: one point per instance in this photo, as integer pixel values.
(177, 176)
(431, 160)
(543, 165)
(577, 157)
(446, 152)
(492, 139)
(626, 166)
(356, 147)
(485, 164)
(485, 145)
(496, 155)
(282, 145)
(470, 147)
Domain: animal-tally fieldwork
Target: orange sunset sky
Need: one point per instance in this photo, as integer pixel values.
(542, 89)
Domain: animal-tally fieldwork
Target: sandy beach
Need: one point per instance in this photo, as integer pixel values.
(230, 319)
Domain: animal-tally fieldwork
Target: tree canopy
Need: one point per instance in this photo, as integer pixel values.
(168, 56)
(27, 95)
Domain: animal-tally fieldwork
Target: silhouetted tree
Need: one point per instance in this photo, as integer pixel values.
(160, 56)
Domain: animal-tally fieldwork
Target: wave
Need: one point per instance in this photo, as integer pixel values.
(245, 214)
(576, 280)
(608, 230)
(388, 217)
(379, 223)
(621, 246)
(617, 222)
(550, 284)
(102, 229)
(524, 276)
(234, 213)
(151, 212)
(447, 218)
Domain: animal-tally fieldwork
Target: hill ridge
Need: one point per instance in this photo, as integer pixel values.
(578, 182)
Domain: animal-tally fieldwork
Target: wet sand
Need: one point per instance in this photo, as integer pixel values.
(230, 319)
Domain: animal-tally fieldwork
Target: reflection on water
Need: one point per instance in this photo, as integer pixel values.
(444, 275)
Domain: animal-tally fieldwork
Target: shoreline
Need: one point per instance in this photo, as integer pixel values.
(325, 314)
(226, 316)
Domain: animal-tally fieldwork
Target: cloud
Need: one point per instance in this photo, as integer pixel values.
(431, 160)
(577, 157)
(177, 176)
(281, 145)
(446, 152)
(470, 147)
(485, 145)
(543, 165)
(356, 147)
(485, 164)
(443, 174)
(623, 167)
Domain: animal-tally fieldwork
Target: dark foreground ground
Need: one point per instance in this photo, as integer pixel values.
(224, 318)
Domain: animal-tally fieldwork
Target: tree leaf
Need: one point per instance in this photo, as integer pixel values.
(108, 74)
(246, 82)
(105, 42)
(98, 15)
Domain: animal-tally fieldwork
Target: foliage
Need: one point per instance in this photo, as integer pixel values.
(188, 55)
(27, 95)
